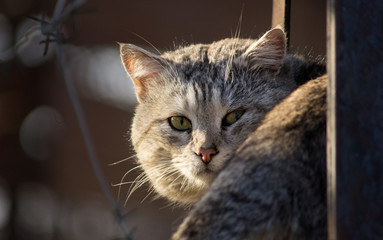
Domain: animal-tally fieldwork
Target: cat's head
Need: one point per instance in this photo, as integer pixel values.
(197, 104)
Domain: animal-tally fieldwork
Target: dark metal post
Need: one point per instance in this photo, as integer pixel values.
(355, 119)
(281, 16)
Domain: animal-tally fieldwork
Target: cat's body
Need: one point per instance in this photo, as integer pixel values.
(274, 187)
(198, 104)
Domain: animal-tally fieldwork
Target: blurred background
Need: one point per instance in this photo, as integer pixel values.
(48, 189)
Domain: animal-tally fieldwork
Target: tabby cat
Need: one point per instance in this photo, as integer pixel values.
(274, 186)
(199, 103)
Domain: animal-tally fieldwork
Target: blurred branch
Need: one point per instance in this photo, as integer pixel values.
(53, 32)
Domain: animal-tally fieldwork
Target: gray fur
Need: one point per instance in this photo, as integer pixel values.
(274, 187)
(204, 82)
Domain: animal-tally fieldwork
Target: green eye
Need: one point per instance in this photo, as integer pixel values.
(180, 123)
(232, 117)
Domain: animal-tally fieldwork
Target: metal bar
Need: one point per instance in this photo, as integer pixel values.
(281, 16)
(355, 119)
(331, 123)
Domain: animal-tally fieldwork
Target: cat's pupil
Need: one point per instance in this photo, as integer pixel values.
(232, 117)
(179, 123)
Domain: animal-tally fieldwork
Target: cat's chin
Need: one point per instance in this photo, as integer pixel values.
(206, 175)
(197, 184)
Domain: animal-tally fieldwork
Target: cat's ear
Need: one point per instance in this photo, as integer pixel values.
(267, 53)
(142, 67)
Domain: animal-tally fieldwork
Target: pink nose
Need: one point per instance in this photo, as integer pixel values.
(207, 154)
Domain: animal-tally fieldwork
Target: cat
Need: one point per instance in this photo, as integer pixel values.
(274, 186)
(199, 103)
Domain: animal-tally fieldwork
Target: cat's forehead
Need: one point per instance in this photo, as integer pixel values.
(196, 99)
(213, 52)
(201, 105)
(206, 89)
(204, 75)
(203, 95)
(209, 65)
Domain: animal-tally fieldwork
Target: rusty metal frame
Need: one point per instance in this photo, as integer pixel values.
(355, 119)
(281, 16)
(355, 115)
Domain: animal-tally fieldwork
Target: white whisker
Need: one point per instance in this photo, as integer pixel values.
(143, 177)
(122, 181)
(159, 53)
(140, 180)
(147, 41)
(236, 40)
(150, 192)
(123, 160)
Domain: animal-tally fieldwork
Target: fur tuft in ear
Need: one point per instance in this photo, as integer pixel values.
(142, 67)
(267, 53)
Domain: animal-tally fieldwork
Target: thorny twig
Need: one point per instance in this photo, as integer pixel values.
(52, 30)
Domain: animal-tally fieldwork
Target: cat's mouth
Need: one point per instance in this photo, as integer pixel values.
(207, 170)
(206, 173)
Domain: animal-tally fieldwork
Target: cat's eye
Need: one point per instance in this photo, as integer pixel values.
(232, 117)
(180, 123)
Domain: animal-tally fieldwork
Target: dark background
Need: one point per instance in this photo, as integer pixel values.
(48, 189)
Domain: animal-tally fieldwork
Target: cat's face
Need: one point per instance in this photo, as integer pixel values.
(198, 104)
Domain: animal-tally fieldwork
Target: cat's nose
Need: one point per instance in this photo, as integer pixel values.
(207, 154)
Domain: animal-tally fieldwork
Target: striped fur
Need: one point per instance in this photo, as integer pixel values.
(204, 82)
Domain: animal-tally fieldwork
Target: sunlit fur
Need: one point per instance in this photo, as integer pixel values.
(274, 187)
(203, 83)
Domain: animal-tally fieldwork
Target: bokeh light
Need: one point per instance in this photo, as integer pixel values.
(5, 33)
(5, 205)
(40, 132)
(36, 212)
(100, 76)
(5, 39)
(91, 220)
(29, 50)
